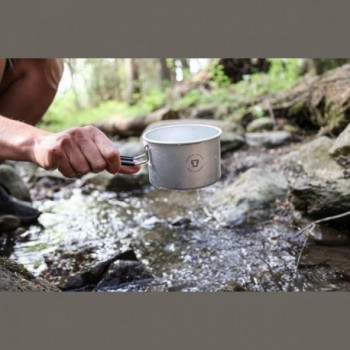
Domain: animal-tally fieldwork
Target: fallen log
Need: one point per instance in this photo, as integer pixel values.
(134, 126)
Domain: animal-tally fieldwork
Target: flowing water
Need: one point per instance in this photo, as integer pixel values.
(176, 236)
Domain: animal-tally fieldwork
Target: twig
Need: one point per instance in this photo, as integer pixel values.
(310, 227)
(329, 218)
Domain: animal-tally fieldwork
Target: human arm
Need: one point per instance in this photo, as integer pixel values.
(73, 152)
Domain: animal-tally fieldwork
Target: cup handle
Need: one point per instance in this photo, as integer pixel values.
(138, 160)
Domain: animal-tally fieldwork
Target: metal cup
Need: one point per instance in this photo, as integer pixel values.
(183, 156)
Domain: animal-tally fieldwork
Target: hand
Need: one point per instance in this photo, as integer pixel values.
(78, 151)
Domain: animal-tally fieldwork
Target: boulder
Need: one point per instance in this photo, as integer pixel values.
(248, 199)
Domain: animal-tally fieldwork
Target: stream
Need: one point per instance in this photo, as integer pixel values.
(177, 239)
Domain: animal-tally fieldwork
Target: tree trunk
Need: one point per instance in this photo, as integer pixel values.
(133, 88)
(71, 63)
(236, 68)
(165, 74)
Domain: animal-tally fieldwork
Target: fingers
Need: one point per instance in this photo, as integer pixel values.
(79, 151)
(129, 169)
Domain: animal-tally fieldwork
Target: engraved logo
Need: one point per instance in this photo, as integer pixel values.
(194, 163)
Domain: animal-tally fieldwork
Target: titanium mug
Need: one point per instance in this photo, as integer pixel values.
(181, 156)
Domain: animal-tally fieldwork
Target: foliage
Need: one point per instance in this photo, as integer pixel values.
(218, 75)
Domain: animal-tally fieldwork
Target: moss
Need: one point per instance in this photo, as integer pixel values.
(16, 268)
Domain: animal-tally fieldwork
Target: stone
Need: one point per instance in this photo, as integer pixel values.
(324, 234)
(247, 199)
(268, 139)
(340, 149)
(231, 141)
(319, 199)
(15, 278)
(316, 161)
(261, 124)
(13, 183)
(88, 279)
(9, 223)
(121, 273)
(118, 182)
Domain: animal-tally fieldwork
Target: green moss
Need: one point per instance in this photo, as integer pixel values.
(16, 268)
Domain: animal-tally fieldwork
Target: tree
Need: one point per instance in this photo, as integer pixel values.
(133, 86)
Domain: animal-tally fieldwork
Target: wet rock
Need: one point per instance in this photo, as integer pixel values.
(10, 205)
(340, 149)
(232, 287)
(88, 279)
(15, 278)
(268, 138)
(123, 272)
(118, 182)
(318, 198)
(324, 234)
(249, 198)
(123, 182)
(231, 141)
(13, 183)
(316, 161)
(261, 124)
(181, 221)
(9, 223)
(48, 178)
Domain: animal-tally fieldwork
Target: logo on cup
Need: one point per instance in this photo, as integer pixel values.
(194, 163)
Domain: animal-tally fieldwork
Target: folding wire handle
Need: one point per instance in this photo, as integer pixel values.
(138, 160)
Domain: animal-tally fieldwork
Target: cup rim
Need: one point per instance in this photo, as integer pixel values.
(219, 133)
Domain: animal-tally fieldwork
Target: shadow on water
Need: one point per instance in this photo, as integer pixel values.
(175, 236)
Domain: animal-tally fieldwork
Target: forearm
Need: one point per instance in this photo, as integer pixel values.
(17, 140)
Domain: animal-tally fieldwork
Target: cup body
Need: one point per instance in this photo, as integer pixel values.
(183, 156)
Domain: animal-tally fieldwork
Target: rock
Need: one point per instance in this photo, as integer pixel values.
(232, 287)
(118, 182)
(231, 141)
(324, 234)
(9, 205)
(316, 161)
(9, 223)
(13, 183)
(340, 149)
(247, 199)
(123, 272)
(15, 278)
(261, 124)
(51, 178)
(268, 138)
(88, 279)
(123, 182)
(319, 199)
(203, 112)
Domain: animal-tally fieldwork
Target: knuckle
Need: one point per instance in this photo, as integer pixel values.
(99, 166)
(112, 155)
(90, 128)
